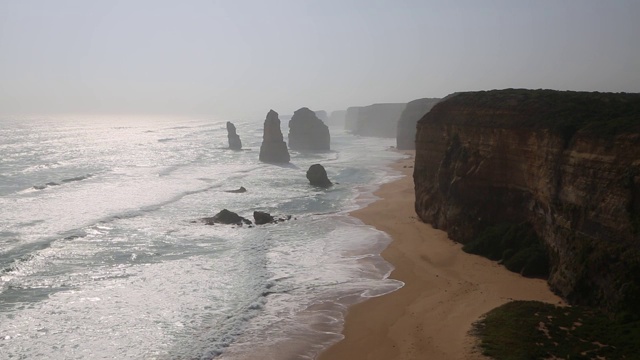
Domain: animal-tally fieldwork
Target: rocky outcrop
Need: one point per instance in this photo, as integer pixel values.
(239, 190)
(566, 164)
(351, 118)
(322, 115)
(337, 118)
(234, 138)
(262, 218)
(307, 132)
(226, 217)
(317, 176)
(379, 120)
(406, 127)
(273, 148)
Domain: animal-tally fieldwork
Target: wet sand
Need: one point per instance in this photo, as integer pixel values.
(445, 292)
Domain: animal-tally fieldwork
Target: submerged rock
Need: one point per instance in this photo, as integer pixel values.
(307, 132)
(317, 176)
(234, 138)
(226, 217)
(273, 148)
(237, 191)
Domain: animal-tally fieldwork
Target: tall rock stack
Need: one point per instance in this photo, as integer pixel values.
(322, 115)
(351, 118)
(307, 132)
(337, 118)
(273, 148)
(234, 138)
(415, 110)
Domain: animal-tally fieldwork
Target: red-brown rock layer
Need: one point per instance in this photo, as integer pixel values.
(567, 163)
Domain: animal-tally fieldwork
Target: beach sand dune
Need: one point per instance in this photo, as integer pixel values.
(445, 292)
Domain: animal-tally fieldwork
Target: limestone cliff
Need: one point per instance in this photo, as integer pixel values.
(406, 127)
(351, 118)
(273, 148)
(565, 163)
(379, 120)
(322, 115)
(307, 132)
(337, 118)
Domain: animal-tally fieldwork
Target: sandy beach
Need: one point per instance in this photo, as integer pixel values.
(445, 292)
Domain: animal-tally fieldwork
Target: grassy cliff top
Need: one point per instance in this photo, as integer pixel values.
(567, 112)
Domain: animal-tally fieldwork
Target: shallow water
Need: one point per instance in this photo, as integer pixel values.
(100, 257)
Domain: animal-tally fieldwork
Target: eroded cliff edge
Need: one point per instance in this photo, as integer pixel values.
(565, 163)
(406, 127)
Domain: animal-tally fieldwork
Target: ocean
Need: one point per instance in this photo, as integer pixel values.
(102, 256)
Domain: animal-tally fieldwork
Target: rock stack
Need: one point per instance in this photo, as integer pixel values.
(317, 176)
(273, 148)
(307, 132)
(234, 138)
(351, 118)
(337, 118)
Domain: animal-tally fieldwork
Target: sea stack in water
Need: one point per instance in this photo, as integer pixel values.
(226, 217)
(307, 132)
(317, 176)
(273, 148)
(234, 138)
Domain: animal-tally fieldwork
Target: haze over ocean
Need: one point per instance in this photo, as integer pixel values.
(238, 59)
(100, 256)
(113, 146)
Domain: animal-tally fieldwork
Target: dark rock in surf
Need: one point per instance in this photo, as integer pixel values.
(317, 176)
(273, 148)
(307, 132)
(234, 138)
(237, 191)
(262, 218)
(226, 217)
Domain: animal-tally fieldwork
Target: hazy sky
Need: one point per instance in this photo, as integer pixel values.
(237, 59)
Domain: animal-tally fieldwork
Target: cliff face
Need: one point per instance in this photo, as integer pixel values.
(273, 148)
(307, 132)
(322, 115)
(351, 118)
(406, 127)
(337, 118)
(566, 163)
(378, 120)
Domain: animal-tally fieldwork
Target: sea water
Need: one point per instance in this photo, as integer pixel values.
(102, 254)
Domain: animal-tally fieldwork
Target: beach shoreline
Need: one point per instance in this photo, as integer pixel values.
(445, 291)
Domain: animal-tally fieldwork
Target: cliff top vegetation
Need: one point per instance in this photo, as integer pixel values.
(566, 112)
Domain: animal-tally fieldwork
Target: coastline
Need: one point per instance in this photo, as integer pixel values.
(446, 290)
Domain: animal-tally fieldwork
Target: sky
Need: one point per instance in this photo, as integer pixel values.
(237, 59)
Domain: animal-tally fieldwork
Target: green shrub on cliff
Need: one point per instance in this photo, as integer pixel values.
(535, 330)
(515, 245)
